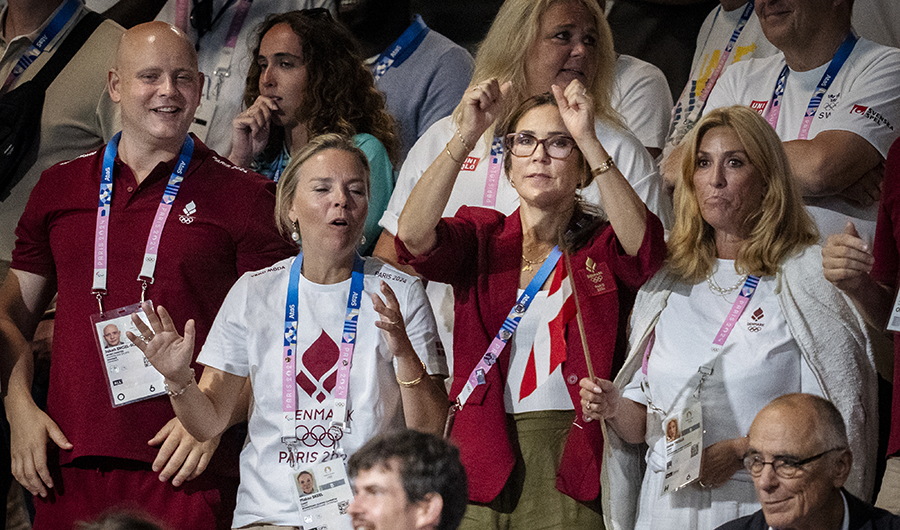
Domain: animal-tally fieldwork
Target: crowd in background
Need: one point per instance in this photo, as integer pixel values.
(322, 221)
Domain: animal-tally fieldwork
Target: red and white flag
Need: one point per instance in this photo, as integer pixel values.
(550, 337)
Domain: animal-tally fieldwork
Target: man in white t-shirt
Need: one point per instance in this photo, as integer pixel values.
(837, 152)
(729, 19)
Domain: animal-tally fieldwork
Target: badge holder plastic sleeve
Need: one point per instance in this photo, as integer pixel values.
(126, 382)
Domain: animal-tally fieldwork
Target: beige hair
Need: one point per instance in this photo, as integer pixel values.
(287, 184)
(782, 224)
(504, 52)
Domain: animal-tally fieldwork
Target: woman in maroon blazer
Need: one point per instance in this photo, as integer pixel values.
(520, 414)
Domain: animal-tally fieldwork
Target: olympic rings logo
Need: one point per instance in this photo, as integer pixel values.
(318, 435)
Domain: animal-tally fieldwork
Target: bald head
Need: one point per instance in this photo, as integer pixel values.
(157, 85)
(154, 34)
(798, 444)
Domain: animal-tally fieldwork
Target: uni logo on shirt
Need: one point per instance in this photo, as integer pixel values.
(758, 106)
(470, 164)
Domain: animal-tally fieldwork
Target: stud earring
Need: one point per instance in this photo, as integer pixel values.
(362, 240)
(295, 235)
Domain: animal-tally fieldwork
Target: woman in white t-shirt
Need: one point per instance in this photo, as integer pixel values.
(740, 315)
(299, 318)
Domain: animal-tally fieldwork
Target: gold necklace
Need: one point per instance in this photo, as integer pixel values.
(529, 263)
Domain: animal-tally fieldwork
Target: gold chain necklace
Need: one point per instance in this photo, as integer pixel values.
(528, 263)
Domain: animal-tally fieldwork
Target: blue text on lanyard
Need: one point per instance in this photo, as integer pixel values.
(101, 238)
(477, 377)
(46, 37)
(840, 57)
(402, 48)
(348, 337)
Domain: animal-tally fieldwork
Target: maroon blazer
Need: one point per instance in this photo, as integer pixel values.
(478, 252)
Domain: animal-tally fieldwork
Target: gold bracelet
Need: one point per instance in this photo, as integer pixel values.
(462, 140)
(176, 393)
(415, 381)
(451, 155)
(604, 167)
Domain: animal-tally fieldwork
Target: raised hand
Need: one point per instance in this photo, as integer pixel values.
(391, 323)
(250, 131)
(167, 351)
(481, 105)
(577, 110)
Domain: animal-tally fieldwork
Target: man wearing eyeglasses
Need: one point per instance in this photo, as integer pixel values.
(799, 459)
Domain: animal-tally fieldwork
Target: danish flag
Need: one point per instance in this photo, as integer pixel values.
(551, 337)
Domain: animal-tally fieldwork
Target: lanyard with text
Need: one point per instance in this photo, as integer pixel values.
(836, 63)
(402, 48)
(226, 52)
(66, 12)
(478, 375)
(695, 107)
(737, 309)
(495, 165)
(348, 342)
(101, 237)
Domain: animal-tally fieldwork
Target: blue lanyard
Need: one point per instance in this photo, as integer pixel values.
(277, 166)
(101, 237)
(348, 343)
(402, 48)
(66, 12)
(830, 73)
(477, 377)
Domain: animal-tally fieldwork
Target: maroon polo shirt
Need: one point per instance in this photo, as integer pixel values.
(220, 226)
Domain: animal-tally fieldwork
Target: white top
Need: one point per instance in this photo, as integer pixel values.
(743, 381)
(759, 361)
(246, 340)
(863, 99)
(714, 35)
(532, 343)
(643, 98)
(630, 156)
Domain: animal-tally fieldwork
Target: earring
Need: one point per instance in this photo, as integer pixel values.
(511, 183)
(295, 235)
(362, 240)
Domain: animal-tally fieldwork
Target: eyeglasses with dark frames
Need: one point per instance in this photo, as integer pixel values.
(783, 466)
(558, 146)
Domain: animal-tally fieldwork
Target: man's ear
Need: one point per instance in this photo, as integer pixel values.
(428, 511)
(842, 465)
(112, 85)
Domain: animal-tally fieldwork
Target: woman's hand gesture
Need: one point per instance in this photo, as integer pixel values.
(481, 105)
(599, 399)
(250, 131)
(391, 323)
(577, 110)
(167, 351)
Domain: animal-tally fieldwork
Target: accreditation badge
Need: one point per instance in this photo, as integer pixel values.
(203, 118)
(893, 323)
(129, 375)
(684, 446)
(323, 494)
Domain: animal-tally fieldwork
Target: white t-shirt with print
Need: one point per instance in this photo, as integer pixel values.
(862, 99)
(246, 340)
(714, 35)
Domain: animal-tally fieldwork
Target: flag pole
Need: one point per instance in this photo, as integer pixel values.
(584, 343)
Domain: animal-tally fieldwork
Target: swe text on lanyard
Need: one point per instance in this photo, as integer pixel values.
(101, 235)
(66, 12)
